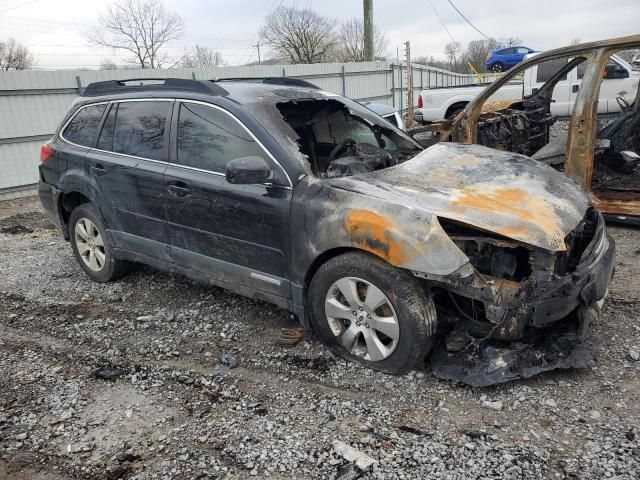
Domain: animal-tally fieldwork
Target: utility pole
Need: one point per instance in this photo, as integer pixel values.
(258, 45)
(409, 85)
(369, 54)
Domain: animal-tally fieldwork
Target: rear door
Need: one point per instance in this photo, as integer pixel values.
(127, 166)
(511, 57)
(237, 234)
(610, 88)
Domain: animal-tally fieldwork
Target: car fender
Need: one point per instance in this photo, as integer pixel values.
(403, 235)
(77, 180)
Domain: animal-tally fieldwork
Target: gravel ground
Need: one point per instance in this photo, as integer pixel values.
(125, 380)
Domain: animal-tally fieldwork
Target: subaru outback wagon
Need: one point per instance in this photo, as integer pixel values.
(289, 194)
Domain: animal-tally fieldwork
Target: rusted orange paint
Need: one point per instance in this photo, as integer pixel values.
(374, 233)
(498, 105)
(514, 231)
(515, 201)
(466, 160)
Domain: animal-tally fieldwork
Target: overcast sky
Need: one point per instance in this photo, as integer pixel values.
(53, 28)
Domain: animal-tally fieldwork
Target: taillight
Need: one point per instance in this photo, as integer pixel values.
(45, 152)
(420, 102)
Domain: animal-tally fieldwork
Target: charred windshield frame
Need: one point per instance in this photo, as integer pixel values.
(304, 114)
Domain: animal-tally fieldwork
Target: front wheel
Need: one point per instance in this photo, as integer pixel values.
(366, 310)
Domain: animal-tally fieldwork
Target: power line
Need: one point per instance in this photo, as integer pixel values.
(467, 20)
(18, 6)
(442, 21)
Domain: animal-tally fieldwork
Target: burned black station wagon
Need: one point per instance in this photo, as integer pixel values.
(279, 191)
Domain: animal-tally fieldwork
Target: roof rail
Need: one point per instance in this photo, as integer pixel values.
(155, 84)
(285, 81)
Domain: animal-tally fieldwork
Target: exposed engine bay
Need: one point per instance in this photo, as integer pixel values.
(339, 142)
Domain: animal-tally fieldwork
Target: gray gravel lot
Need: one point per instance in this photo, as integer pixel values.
(172, 409)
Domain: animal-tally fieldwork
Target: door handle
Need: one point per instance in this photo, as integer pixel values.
(575, 88)
(98, 169)
(178, 190)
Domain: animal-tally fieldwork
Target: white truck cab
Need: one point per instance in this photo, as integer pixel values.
(620, 80)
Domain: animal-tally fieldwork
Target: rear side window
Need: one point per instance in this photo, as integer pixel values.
(135, 128)
(105, 141)
(83, 128)
(547, 69)
(209, 139)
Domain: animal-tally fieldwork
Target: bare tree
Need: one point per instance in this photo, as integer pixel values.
(142, 27)
(430, 61)
(509, 42)
(453, 50)
(575, 41)
(202, 57)
(15, 56)
(299, 35)
(351, 41)
(477, 51)
(108, 64)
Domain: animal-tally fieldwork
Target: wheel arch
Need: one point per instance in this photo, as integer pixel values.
(455, 106)
(67, 202)
(327, 255)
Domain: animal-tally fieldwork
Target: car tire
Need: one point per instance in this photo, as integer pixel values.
(497, 67)
(454, 113)
(91, 245)
(359, 327)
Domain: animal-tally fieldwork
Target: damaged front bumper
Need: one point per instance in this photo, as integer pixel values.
(532, 326)
(511, 307)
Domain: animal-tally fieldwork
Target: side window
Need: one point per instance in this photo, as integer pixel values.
(209, 139)
(547, 69)
(83, 128)
(610, 65)
(508, 51)
(139, 128)
(105, 141)
(523, 50)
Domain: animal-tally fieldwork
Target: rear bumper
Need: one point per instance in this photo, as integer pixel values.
(50, 199)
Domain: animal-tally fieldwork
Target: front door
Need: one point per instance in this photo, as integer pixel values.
(237, 234)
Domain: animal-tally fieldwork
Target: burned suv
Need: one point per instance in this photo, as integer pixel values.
(308, 200)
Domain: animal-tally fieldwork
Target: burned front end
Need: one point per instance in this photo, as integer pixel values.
(514, 311)
(514, 289)
(515, 256)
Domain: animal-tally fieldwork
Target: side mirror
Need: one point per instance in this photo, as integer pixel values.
(615, 72)
(247, 170)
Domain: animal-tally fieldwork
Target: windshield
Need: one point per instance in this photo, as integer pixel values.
(339, 137)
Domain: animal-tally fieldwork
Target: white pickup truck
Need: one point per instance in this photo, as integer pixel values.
(620, 80)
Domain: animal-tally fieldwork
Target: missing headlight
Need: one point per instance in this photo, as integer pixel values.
(490, 254)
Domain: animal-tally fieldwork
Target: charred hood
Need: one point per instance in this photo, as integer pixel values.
(495, 191)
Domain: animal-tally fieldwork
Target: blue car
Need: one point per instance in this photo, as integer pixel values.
(505, 58)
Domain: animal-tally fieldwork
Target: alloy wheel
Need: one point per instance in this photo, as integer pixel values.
(362, 318)
(90, 244)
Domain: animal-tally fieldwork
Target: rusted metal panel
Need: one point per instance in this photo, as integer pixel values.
(581, 142)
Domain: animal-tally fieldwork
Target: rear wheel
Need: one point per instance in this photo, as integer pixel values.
(91, 245)
(497, 67)
(454, 111)
(368, 311)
